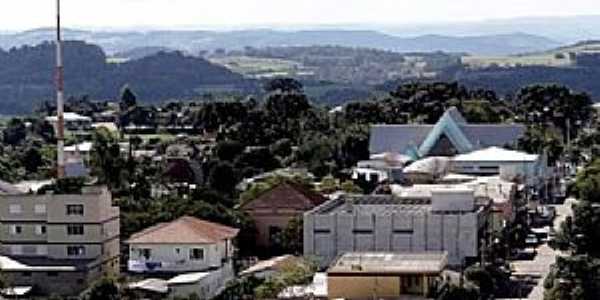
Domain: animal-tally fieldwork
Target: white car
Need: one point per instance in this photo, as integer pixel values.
(531, 239)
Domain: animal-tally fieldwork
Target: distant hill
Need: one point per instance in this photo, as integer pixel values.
(141, 52)
(26, 76)
(195, 41)
(357, 66)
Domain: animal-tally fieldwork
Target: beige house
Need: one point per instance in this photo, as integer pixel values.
(187, 244)
(59, 243)
(377, 275)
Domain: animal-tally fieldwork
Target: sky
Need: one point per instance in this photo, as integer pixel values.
(127, 14)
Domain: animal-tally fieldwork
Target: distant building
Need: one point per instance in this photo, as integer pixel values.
(386, 275)
(187, 244)
(80, 151)
(381, 167)
(58, 244)
(275, 208)
(74, 123)
(451, 135)
(442, 220)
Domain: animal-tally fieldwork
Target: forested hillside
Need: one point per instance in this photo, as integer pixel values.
(26, 76)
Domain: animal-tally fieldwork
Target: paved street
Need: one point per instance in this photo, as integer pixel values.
(540, 266)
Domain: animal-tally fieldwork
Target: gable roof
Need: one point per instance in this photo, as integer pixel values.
(397, 138)
(286, 196)
(449, 125)
(185, 230)
(487, 135)
(416, 140)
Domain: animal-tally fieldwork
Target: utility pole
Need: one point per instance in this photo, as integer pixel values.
(60, 101)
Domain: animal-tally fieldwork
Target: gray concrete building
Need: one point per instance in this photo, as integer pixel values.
(58, 244)
(450, 220)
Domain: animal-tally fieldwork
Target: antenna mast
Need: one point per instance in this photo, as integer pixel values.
(60, 124)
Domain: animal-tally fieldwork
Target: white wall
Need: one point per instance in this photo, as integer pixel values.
(179, 261)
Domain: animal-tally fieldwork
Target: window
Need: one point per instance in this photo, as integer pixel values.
(52, 274)
(197, 254)
(75, 210)
(75, 251)
(15, 229)
(145, 253)
(75, 229)
(39, 209)
(177, 250)
(15, 209)
(40, 229)
(26, 274)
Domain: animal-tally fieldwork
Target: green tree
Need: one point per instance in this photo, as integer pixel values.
(15, 132)
(128, 99)
(222, 178)
(284, 85)
(480, 277)
(32, 158)
(349, 187)
(576, 277)
(587, 182)
(104, 289)
(292, 236)
(556, 106)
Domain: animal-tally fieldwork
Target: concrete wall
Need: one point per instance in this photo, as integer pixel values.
(452, 200)
(331, 234)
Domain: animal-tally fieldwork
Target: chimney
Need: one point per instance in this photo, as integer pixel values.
(60, 125)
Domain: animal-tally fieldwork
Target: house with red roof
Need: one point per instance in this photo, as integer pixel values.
(273, 210)
(184, 245)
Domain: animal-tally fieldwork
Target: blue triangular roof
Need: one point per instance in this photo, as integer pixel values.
(449, 125)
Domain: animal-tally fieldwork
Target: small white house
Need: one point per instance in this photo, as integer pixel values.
(187, 244)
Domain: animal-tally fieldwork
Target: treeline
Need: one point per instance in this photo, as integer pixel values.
(358, 65)
(26, 76)
(509, 80)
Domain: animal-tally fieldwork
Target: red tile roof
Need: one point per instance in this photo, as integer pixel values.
(286, 196)
(185, 230)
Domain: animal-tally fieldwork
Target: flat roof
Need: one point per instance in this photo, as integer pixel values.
(152, 285)
(496, 154)
(382, 263)
(8, 264)
(378, 204)
(272, 263)
(188, 278)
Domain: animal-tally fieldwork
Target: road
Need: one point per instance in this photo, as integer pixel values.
(539, 267)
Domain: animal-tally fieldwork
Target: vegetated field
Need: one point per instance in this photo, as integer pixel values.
(560, 57)
(258, 67)
(538, 59)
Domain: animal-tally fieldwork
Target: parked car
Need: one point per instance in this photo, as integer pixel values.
(532, 240)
